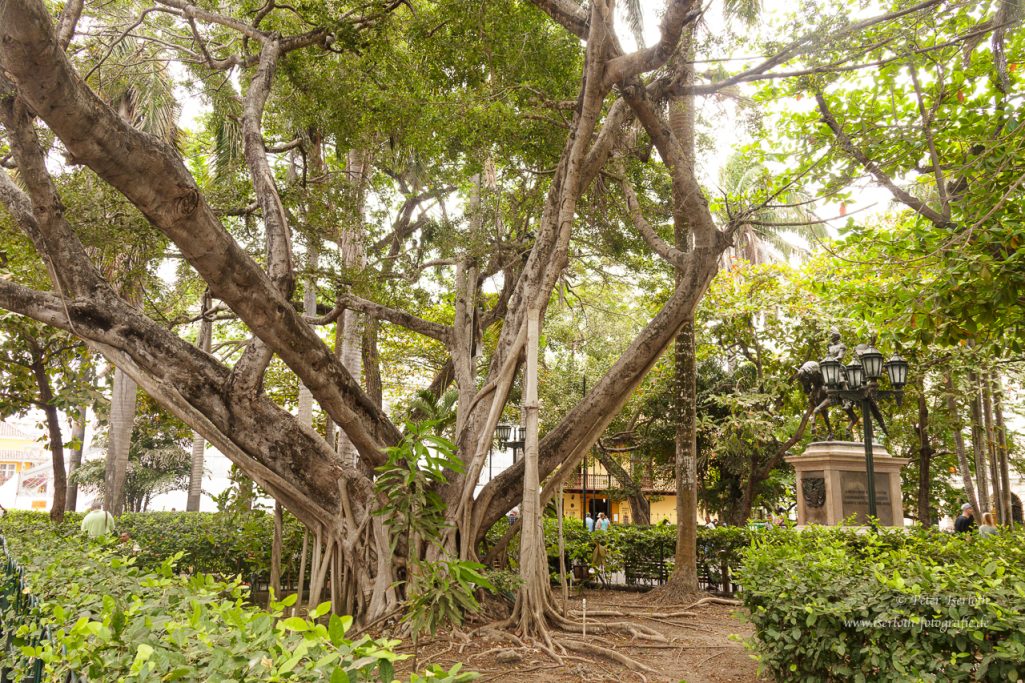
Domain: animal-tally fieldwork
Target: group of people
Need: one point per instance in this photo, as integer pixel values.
(600, 524)
(965, 522)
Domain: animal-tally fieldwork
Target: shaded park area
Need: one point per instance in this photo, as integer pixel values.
(451, 340)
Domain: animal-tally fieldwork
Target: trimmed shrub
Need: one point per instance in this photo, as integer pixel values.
(838, 605)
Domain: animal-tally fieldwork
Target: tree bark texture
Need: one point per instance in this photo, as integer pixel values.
(1002, 445)
(533, 596)
(196, 468)
(992, 458)
(681, 121)
(119, 442)
(925, 452)
(53, 428)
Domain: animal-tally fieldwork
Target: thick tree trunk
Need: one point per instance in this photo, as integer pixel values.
(75, 456)
(925, 452)
(53, 427)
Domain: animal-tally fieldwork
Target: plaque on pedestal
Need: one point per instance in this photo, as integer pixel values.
(832, 484)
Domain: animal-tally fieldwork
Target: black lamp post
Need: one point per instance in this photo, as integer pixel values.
(511, 436)
(859, 383)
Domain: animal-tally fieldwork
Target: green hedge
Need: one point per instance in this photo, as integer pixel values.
(836, 605)
(81, 607)
(213, 542)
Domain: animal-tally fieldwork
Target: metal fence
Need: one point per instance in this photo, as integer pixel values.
(648, 570)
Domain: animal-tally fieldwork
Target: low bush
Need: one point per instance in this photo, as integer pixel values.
(838, 605)
(81, 607)
(219, 543)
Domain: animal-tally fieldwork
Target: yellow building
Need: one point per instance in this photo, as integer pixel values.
(24, 461)
(595, 490)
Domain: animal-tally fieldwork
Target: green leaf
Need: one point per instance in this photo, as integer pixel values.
(295, 624)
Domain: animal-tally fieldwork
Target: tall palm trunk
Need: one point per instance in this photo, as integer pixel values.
(122, 418)
(198, 443)
(685, 576)
(349, 335)
(75, 456)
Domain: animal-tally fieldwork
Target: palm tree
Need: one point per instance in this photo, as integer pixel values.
(771, 216)
(439, 411)
(141, 91)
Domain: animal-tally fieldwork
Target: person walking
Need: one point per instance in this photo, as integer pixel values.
(988, 526)
(603, 522)
(589, 522)
(965, 522)
(98, 522)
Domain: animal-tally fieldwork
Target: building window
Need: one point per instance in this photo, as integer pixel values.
(7, 470)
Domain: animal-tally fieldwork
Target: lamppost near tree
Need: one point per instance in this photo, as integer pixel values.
(859, 383)
(511, 436)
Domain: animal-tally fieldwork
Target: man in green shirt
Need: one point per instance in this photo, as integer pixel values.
(98, 522)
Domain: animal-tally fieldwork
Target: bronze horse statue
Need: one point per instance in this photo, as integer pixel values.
(810, 377)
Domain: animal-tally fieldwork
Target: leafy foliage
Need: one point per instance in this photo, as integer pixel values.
(438, 592)
(835, 605)
(224, 545)
(111, 620)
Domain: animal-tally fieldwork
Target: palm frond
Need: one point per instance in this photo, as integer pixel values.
(635, 20)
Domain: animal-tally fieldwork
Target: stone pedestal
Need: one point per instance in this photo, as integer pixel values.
(832, 484)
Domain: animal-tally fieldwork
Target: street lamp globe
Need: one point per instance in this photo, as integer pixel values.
(873, 362)
(832, 371)
(502, 431)
(897, 370)
(855, 374)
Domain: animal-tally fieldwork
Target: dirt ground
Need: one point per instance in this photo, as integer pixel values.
(705, 648)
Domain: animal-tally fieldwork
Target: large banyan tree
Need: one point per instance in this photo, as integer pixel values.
(362, 149)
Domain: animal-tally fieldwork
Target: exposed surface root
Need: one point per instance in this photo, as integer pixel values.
(597, 613)
(712, 600)
(609, 653)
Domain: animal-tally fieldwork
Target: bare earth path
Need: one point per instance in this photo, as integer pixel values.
(704, 648)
